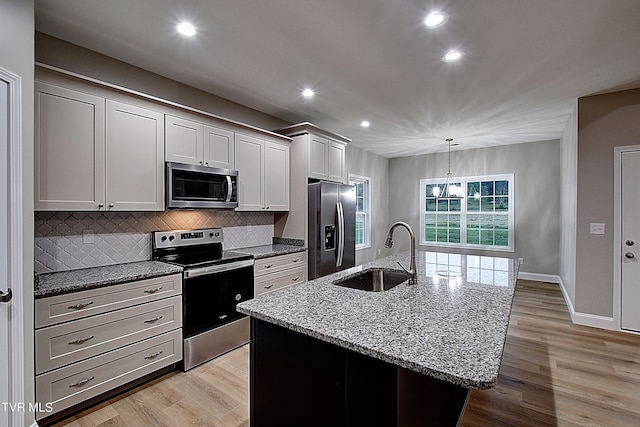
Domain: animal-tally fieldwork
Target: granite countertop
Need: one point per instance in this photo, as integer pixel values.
(271, 250)
(451, 325)
(64, 282)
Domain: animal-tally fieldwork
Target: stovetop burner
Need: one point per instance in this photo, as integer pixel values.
(192, 248)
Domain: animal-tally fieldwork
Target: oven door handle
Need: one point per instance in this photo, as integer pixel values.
(213, 269)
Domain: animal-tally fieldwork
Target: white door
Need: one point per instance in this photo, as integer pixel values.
(630, 240)
(4, 276)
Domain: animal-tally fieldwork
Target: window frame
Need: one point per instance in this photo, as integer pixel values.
(464, 180)
(353, 178)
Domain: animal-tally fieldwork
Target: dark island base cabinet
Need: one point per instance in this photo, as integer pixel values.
(297, 380)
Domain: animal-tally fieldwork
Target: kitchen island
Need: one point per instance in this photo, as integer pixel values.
(323, 354)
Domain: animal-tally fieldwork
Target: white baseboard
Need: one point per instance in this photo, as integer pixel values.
(584, 319)
(550, 278)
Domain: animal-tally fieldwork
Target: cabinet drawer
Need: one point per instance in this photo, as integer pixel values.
(282, 279)
(76, 383)
(71, 342)
(77, 305)
(278, 263)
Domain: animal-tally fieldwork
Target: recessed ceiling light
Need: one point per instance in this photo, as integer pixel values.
(186, 29)
(308, 93)
(452, 55)
(435, 19)
(365, 124)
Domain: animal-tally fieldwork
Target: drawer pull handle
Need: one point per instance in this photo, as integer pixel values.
(81, 382)
(295, 260)
(268, 286)
(295, 279)
(154, 355)
(154, 320)
(81, 340)
(268, 265)
(153, 290)
(80, 305)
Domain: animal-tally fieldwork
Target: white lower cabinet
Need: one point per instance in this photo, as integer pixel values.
(280, 271)
(90, 342)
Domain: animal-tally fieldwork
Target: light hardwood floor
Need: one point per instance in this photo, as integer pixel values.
(554, 373)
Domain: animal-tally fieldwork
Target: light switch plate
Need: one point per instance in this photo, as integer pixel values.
(596, 228)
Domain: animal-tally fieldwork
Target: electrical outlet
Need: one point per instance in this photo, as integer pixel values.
(88, 238)
(378, 251)
(249, 228)
(596, 228)
(520, 261)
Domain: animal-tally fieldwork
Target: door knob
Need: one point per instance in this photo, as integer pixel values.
(6, 297)
(629, 242)
(629, 255)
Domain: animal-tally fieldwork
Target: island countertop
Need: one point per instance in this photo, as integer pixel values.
(451, 325)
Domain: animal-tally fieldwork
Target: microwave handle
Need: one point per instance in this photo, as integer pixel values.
(229, 188)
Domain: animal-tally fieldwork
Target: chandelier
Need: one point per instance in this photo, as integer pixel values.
(450, 190)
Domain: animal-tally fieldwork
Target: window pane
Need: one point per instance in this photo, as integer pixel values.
(501, 222)
(486, 222)
(430, 220)
(443, 221)
(454, 205)
(473, 236)
(502, 238)
(487, 188)
(502, 204)
(443, 205)
(360, 226)
(431, 205)
(429, 190)
(486, 204)
(473, 188)
(454, 236)
(486, 237)
(441, 234)
(473, 204)
(454, 221)
(473, 221)
(502, 188)
(430, 234)
(359, 204)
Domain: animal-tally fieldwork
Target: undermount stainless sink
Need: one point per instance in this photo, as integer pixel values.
(374, 280)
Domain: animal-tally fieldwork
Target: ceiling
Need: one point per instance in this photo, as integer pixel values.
(525, 61)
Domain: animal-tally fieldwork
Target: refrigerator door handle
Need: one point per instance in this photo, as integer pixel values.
(340, 235)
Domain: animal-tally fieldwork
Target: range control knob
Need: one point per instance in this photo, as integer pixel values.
(163, 238)
(211, 234)
(171, 238)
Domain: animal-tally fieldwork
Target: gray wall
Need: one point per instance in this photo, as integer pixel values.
(16, 56)
(365, 163)
(536, 169)
(604, 122)
(52, 51)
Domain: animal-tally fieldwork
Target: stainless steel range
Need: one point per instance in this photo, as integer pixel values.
(214, 282)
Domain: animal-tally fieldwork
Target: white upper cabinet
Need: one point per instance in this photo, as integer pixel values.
(198, 143)
(69, 149)
(96, 154)
(135, 158)
(322, 153)
(276, 176)
(263, 174)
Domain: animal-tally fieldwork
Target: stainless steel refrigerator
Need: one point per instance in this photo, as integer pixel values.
(332, 228)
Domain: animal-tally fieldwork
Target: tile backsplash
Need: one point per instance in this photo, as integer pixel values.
(72, 240)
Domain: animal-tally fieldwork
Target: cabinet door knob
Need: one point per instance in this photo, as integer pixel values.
(111, 205)
(101, 205)
(629, 255)
(6, 296)
(629, 243)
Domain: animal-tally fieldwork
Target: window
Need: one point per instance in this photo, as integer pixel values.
(483, 218)
(363, 213)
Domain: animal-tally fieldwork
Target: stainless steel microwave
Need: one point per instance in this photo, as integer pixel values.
(201, 187)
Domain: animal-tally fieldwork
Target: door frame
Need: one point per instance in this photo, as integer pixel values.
(617, 230)
(16, 365)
